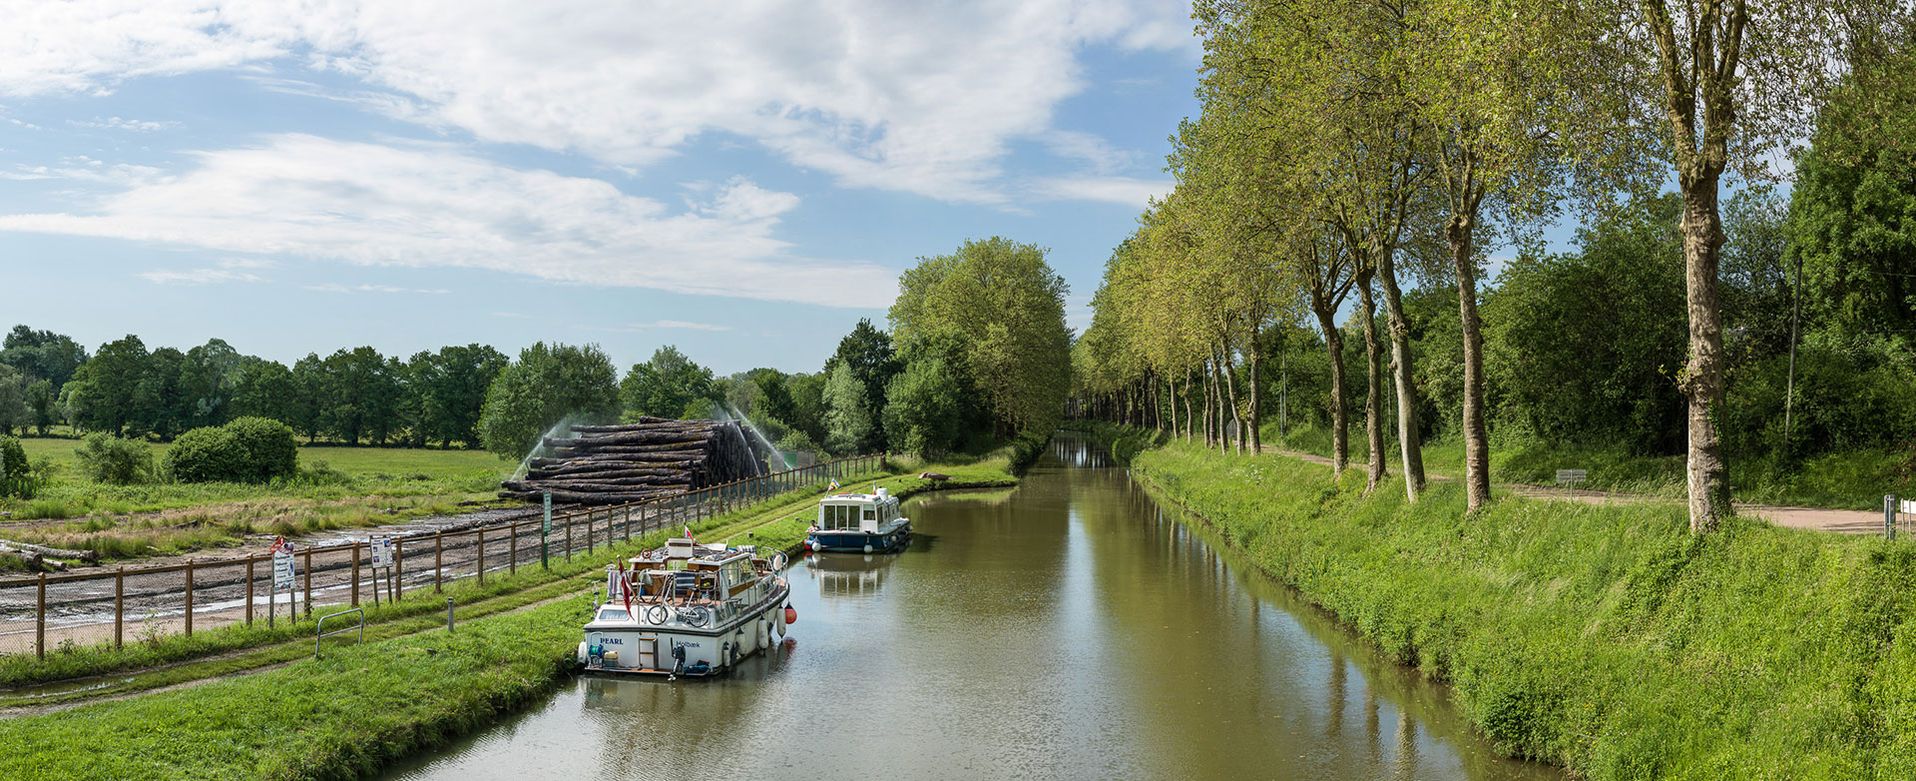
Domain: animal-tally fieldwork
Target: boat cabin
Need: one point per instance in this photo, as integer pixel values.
(869, 513)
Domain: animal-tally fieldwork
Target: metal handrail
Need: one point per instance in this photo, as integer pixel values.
(320, 632)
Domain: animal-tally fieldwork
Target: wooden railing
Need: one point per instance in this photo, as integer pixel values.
(420, 560)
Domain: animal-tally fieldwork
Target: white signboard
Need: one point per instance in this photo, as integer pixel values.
(382, 552)
(283, 569)
(1909, 506)
(1568, 476)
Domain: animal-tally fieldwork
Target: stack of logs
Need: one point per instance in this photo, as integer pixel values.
(637, 461)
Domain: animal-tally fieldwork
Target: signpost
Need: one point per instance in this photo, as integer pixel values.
(1572, 476)
(545, 528)
(283, 573)
(382, 561)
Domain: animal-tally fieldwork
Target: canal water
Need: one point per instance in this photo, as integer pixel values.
(1070, 628)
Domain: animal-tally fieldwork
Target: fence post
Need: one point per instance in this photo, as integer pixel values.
(438, 561)
(568, 538)
(1889, 516)
(512, 567)
(189, 597)
(307, 557)
(626, 524)
(481, 566)
(40, 621)
(355, 599)
(399, 569)
(588, 531)
(119, 605)
(249, 590)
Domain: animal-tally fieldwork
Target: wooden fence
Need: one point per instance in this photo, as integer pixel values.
(233, 590)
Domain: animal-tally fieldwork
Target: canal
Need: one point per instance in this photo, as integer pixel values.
(1070, 628)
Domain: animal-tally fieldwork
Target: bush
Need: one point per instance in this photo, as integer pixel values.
(109, 459)
(16, 475)
(270, 448)
(206, 455)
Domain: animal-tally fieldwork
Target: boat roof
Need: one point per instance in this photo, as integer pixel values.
(857, 498)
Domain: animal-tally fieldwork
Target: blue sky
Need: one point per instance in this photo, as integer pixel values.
(744, 181)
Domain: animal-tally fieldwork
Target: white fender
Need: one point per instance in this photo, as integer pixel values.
(764, 633)
(584, 658)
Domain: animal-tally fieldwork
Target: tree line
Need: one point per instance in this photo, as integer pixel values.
(1352, 162)
(352, 396)
(977, 354)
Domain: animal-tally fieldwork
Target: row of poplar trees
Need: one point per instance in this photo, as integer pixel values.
(1347, 148)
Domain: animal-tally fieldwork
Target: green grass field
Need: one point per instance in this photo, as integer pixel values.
(338, 487)
(1605, 638)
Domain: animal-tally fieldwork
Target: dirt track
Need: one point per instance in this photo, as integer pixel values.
(1819, 518)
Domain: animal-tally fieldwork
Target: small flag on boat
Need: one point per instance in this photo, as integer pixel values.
(688, 532)
(835, 486)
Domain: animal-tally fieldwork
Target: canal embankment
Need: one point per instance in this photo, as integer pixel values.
(1607, 639)
(360, 706)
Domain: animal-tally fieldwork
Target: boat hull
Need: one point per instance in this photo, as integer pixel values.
(861, 542)
(640, 648)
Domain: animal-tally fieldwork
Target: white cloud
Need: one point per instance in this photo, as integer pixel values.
(915, 97)
(1123, 190)
(230, 270)
(85, 169)
(334, 287)
(673, 325)
(430, 205)
(122, 123)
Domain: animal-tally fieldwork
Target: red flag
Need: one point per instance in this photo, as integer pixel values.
(625, 590)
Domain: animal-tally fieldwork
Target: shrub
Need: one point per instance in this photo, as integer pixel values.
(269, 447)
(205, 455)
(16, 476)
(109, 459)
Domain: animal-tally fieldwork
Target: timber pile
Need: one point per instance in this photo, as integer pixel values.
(636, 461)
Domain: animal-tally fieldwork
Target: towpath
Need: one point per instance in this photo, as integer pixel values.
(1818, 518)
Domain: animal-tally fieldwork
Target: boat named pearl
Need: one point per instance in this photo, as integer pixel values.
(687, 610)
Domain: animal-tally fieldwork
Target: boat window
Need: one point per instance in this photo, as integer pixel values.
(870, 514)
(612, 614)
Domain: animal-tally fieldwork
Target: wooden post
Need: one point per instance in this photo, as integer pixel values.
(40, 621)
(568, 536)
(397, 580)
(249, 590)
(438, 561)
(119, 606)
(481, 566)
(512, 566)
(627, 523)
(189, 597)
(588, 531)
(307, 558)
(355, 599)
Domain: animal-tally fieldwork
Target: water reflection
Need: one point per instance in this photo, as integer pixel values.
(1069, 629)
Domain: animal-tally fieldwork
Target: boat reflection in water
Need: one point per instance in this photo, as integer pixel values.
(849, 574)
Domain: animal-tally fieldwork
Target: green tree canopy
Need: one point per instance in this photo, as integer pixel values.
(668, 385)
(549, 383)
(1002, 301)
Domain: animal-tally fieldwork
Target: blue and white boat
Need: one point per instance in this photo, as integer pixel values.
(860, 523)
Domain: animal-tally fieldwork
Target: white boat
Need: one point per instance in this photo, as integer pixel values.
(687, 610)
(859, 523)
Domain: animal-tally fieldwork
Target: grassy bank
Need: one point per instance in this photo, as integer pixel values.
(363, 706)
(1607, 639)
(1854, 480)
(338, 487)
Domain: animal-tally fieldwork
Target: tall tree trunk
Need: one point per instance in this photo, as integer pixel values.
(1257, 438)
(1702, 378)
(1373, 384)
(1188, 420)
(1172, 385)
(1228, 365)
(1476, 435)
(1340, 411)
(1220, 378)
(1409, 439)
